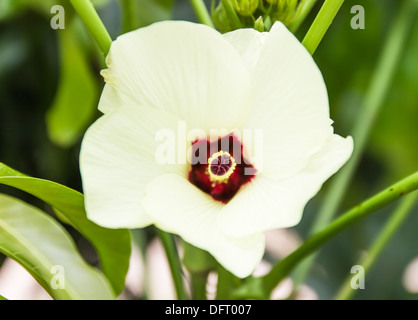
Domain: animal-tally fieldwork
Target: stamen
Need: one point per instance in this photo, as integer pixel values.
(220, 166)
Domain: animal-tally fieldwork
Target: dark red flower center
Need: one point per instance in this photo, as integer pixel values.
(219, 167)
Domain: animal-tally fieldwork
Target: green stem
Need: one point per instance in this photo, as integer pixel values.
(395, 221)
(235, 21)
(321, 24)
(227, 283)
(128, 15)
(202, 12)
(94, 24)
(198, 285)
(283, 268)
(306, 9)
(374, 100)
(174, 262)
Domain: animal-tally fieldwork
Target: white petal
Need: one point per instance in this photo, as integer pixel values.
(265, 203)
(289, 98)
(179, 207)
(118, 160)
(110, 100)
(185, 68)
(249, 44)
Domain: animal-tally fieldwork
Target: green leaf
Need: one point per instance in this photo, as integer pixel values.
(75, 102)
(2, 298)
(112, 245)
(47, 252)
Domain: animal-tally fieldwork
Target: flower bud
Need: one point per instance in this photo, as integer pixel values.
(259, 24)
(245, 7)
(221, 20)
(286, 11)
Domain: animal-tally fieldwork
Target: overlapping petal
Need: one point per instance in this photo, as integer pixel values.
(187, 69)
(289, 98)
(118, 160)
(187, 211)
(267, 203)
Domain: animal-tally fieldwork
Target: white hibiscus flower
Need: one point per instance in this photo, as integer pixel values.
(179, 72)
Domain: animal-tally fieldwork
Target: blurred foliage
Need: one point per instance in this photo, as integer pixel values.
(76, 98)
(347, 59)
(35, 114)
(141, 13)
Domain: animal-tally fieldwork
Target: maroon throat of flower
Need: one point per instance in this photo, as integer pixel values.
(219, 167)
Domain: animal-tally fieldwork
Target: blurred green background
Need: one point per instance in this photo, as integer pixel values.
(50, 86)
